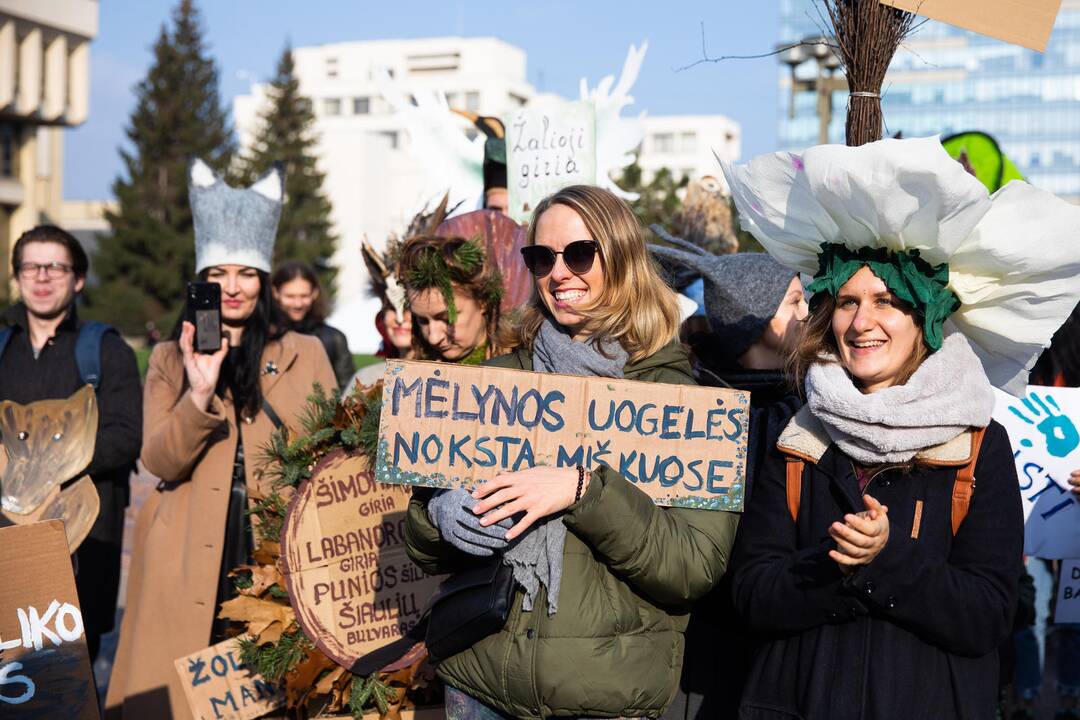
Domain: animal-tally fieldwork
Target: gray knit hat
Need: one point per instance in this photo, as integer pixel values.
(742, 291)
(234, 226)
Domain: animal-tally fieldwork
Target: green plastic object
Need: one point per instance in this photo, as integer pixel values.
(981, 153)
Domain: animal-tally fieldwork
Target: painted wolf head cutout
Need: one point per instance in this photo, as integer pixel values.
(45, 444)
(234, 226)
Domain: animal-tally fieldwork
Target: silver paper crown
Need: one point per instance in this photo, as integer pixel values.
(234, 226)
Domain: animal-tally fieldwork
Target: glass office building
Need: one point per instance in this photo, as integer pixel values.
(946, 80)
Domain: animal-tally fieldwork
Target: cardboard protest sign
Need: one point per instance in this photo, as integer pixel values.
(44, 664)
(219, 687)
(350, 581)
(1043, 430)
(1022, 22)
(454, 425)
(1067, 606)
(549, 145)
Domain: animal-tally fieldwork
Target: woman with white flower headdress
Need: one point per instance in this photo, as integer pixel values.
(880, 555)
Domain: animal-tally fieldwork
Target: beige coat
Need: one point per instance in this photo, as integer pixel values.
(180, 532)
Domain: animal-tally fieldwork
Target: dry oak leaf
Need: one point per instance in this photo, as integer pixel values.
(299, 681)
(262, 577)
(267, 553)
(258, 614)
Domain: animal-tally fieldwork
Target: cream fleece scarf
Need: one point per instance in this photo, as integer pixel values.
(948, 394)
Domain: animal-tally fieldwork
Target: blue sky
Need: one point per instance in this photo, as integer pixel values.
(563, 41)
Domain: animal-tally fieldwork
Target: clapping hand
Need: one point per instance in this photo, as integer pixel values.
(202, 369)
(861, 536)
(1074, 481)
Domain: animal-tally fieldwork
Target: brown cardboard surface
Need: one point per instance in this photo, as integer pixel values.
(452, 426)
(1023, 22)
(350, 581)
(44, 664)
(218, 687)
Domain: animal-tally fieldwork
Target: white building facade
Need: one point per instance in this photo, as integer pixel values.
(685, 145)
(44, 88)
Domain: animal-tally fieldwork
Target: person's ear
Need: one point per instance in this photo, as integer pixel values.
(276, 294)
(314, 294)
(80, 282)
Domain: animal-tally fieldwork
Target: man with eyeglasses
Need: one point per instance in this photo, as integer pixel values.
(38, 362)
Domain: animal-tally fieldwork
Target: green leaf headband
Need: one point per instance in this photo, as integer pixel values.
(912, 279)
(434, 269)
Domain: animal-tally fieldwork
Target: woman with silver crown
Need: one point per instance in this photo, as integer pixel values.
(880, 555)
(207, 416)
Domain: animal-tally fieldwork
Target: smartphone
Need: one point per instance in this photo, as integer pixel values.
(203, 310)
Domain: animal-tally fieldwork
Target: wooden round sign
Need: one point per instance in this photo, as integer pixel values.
(350, 581)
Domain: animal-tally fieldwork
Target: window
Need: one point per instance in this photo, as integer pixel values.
(331, 106)
(361, 105)
(664, 143)
(391, 138)
(331, 67)
(7, 150)
(451, 99)
(688, 142)
(472, 101)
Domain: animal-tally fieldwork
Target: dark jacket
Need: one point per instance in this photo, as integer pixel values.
(712, 681)
(54, 375)
(912, 635)
(630, 571)
(337, 349)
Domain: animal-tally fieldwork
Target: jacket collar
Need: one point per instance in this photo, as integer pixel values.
(805, 437)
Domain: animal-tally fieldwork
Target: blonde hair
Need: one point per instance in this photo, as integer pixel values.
(635, 306)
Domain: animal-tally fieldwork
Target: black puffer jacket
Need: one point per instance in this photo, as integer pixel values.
(912, 635)
(337, 349)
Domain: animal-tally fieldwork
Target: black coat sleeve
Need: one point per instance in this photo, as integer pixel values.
(119, 434)
(964, 602)
(337, 349)
(777, 585)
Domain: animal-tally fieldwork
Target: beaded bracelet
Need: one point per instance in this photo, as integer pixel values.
(580, 482)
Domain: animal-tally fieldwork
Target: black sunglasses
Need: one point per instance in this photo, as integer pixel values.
(578, 256)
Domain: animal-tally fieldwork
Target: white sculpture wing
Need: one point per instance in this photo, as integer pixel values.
(437, 140)
(617, 138)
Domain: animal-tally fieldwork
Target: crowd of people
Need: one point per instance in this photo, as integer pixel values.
(875, 571)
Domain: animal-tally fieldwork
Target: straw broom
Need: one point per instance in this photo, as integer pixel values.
(867, 35)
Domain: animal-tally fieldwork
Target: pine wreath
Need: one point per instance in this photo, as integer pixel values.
(272, 642)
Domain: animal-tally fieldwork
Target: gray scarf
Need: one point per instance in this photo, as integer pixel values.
(948, 394)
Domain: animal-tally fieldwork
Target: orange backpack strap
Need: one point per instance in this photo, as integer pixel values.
(794, 486)
(964, 485)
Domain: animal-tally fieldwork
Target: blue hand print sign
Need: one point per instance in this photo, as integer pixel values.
(1044, 429)
(1058, 430)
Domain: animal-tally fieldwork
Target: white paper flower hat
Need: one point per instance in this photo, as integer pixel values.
(1012, 259)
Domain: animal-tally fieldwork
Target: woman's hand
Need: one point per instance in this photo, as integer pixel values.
(1074, 481)
(538, 492)
(861, 536)
(202, 370)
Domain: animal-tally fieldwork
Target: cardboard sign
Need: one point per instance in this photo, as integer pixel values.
(454, 426)
(549, 144)
(1022, 22)
(1044, 431)
(44, 664)
(219, 687)
(1067, 606)
(350, 581)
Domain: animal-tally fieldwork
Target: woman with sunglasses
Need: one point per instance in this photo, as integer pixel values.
(597, 625)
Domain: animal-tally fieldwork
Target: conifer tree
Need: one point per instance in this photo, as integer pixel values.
(143, 265)
(284, 136)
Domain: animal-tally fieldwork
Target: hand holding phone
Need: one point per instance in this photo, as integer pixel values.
(203, 310)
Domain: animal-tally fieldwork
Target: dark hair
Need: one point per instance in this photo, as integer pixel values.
(1060, 362)
(80, 264)
(296, 269)
(242, 368)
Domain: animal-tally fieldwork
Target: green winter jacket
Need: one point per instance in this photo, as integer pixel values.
(630, 571)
